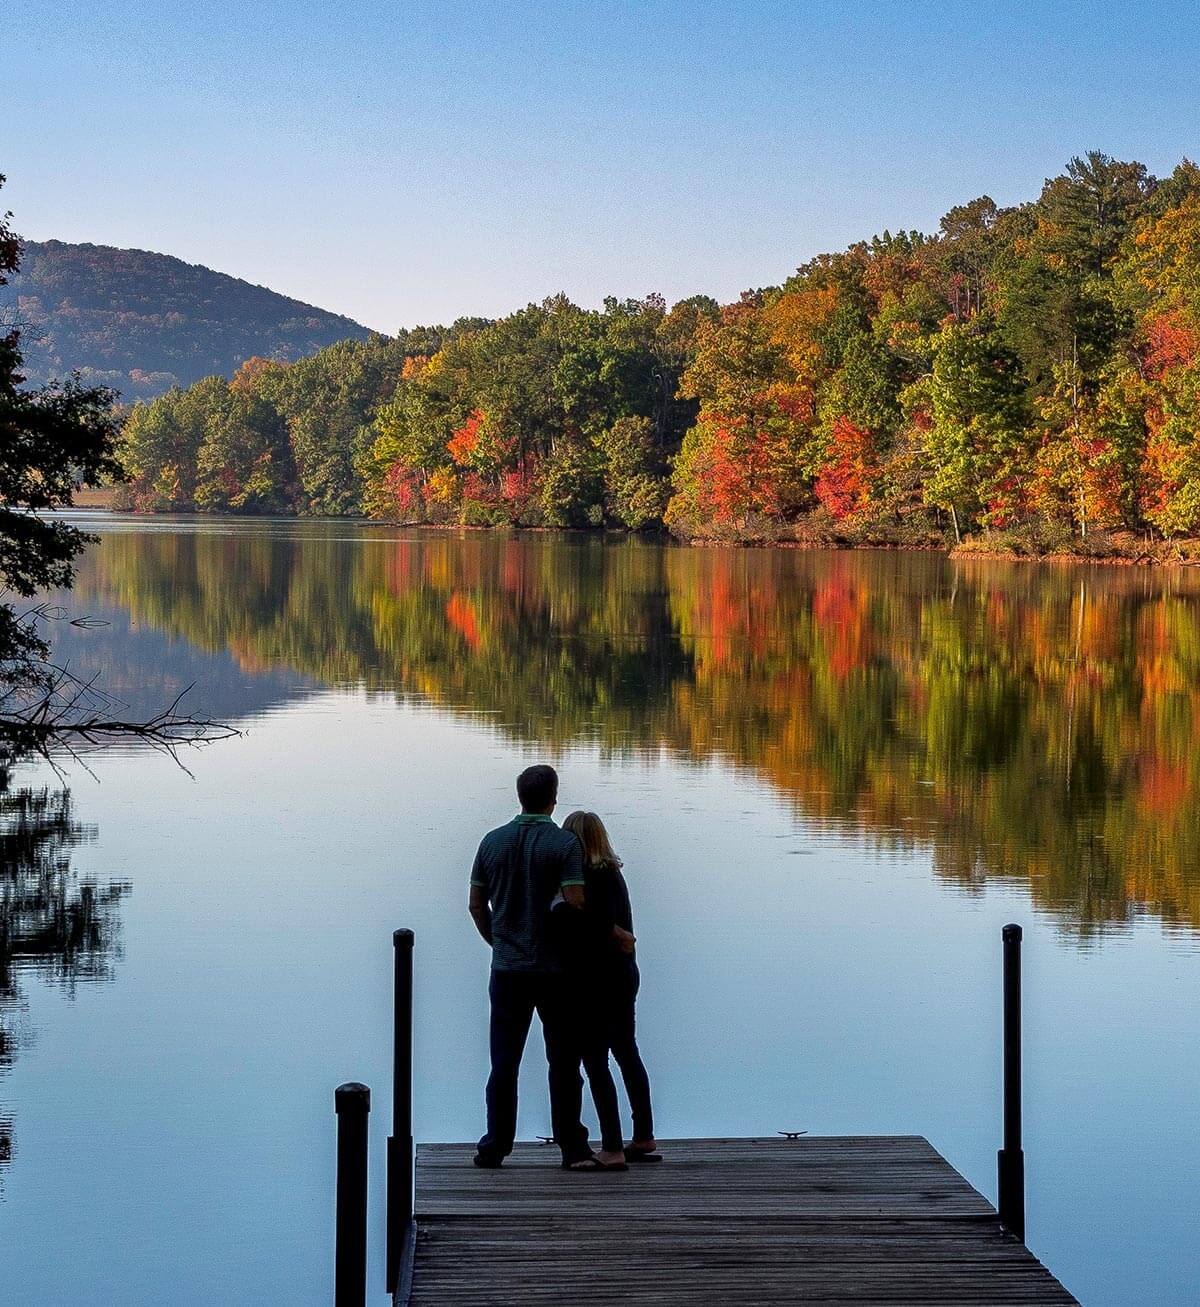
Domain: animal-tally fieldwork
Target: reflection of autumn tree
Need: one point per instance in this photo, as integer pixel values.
(51, 924)
(1037, 725)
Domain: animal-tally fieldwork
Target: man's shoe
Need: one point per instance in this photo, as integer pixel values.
(488, 1161)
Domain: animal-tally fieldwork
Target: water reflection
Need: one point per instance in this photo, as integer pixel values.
(53, 925)
(1024, 723)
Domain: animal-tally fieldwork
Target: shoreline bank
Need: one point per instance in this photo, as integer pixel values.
(1110, 549)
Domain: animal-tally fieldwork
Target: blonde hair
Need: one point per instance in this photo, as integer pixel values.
(591, 833)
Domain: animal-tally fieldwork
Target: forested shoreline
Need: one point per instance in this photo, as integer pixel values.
(1025, 379)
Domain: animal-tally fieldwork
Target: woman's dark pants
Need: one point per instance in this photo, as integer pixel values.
(612, 1028)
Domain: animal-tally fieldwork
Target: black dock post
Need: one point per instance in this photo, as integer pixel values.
(1011, 1158)
(352, 1102)
(400, 1232)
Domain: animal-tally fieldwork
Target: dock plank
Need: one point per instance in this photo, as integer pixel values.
(858, 1219)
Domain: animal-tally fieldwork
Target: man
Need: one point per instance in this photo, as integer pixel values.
(519, 869)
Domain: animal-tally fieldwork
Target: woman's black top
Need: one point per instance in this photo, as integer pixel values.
(586, 937)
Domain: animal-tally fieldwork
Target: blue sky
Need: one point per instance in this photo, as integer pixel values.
(413, 162)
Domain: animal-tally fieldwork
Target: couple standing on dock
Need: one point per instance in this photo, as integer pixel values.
(554, 907)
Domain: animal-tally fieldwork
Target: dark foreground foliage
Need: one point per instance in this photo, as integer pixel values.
(53, 439)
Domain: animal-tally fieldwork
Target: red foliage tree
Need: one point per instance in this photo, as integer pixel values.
(465, 440)
(844, 483)
(403, 484)
(1171, 342)
(519, 487)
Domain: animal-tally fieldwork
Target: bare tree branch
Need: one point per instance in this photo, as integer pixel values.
(76, 717)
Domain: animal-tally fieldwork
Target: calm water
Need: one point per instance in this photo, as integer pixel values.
(833, 778)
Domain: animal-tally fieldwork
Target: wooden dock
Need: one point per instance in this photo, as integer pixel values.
(727, 1221)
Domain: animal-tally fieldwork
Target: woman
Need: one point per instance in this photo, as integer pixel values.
(603, 961)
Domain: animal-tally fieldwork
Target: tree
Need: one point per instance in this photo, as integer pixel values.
(635, 485)
(245, 462)
(573, 485)
(161, 443)
(1085, 214)
(977, 427)
(1171, 491)
(1058, 306)
(753, 447)
(329, 402)
(1090, 451)
(52, 440)
(969, 246)
(843, 484)
(158, 456)
(406, 472)
(1164, 262)
(499, 424)
(1051, 318)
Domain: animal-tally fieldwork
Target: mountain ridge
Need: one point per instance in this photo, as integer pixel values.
(142, 322)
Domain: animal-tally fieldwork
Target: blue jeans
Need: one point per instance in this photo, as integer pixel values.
(515, 996)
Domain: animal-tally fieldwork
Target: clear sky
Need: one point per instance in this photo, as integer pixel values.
(408, 162)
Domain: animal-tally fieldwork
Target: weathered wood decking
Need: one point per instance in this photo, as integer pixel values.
(731, 1221)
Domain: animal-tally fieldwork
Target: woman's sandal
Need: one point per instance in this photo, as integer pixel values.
(593, 1163)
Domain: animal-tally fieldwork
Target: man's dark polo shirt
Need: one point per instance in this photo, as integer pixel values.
(522, 866)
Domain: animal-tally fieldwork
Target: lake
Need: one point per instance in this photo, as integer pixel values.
(833, 777)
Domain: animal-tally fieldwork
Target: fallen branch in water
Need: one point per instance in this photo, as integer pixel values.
(76, 717)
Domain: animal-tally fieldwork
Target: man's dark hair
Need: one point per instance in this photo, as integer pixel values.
(537, 788)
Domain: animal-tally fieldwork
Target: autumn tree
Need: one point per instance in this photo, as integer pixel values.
(1025, 365)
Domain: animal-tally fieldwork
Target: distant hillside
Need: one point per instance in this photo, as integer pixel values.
(144, 322)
